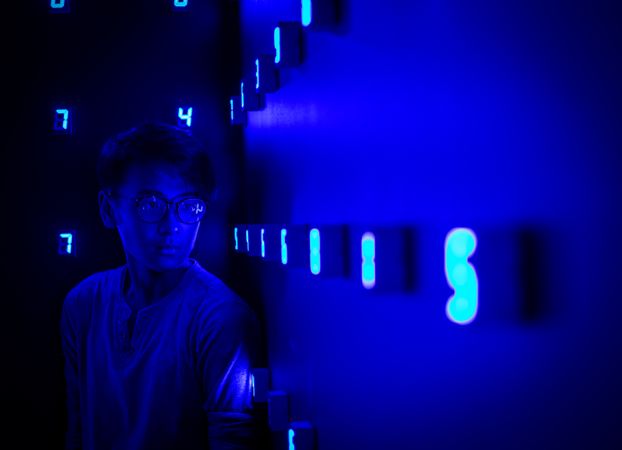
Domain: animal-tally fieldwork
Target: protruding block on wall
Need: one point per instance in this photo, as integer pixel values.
(383, 258)
(288, 44)
(278, 410)
(261, 384)
(255, 235)
(237, 116)
(239, 238)
(250, 99)
(328, 250)
(301, 436)
(266, 74)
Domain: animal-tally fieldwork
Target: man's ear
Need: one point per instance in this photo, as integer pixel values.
(106, 211)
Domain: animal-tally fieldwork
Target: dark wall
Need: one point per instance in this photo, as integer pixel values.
(427, 115)
(115, 64)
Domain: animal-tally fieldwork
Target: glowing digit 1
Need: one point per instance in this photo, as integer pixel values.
(187, 117)
(257, 74)
(231, 107)
(277, 45)
(291, 435)
(57, 4)
(263, 244)
(306, 12)
(283, 246)
(235, 237)
(314, 242)
(368, 254)
(460, 244)
(69, 238)
(62, 119)
(248, 245)
(242, 95)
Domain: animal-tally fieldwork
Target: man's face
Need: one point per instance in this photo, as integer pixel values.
(162, 245)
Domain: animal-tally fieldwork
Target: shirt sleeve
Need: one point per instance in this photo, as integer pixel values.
(226, 339)
(69, 343)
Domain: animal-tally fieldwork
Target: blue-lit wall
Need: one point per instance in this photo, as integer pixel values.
(427, 115)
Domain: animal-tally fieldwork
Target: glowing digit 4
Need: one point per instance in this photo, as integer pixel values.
(185, 117)
(460, 245)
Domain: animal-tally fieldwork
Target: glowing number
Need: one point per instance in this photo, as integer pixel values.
(235, 236)
(263, 245)
(253, 384)
(62, 119)
(368, 254)
(248, 245)
(57, 4)
(231, 106)
(277, 45)
(460, 244)
(314, 238)
(306, 13)
(283, 246)
(291, 435)
(67, 247)
(257, 74)
(180, 3)
(187, 117)
(242, 94)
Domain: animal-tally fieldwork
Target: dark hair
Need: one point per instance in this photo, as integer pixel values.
(155, 142)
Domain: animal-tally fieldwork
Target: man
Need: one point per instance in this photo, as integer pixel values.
(158, 352)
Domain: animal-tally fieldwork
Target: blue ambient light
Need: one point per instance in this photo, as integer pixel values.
(61, 121)
(314, 243)
(368, 254)
(460, 244)
(263, 244)
(180, 3)
(65, 243)
(283, 246)
(306, 13)
(291, 435)
(277, 45)
(187, 118)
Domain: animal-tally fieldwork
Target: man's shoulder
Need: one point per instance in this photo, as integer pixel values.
(87, 289)
(211, 295)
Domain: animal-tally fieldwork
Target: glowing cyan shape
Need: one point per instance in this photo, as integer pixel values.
(57, 4)
(263, 244)
(460, 244)
(231, 107)
(235, 237)
(277, 45)
(253, 384)
(368, 255)
(314, 244)
(242, 94)
(283, 246)
(62, 119)
(180, 3)
(306, 13)
(187, 117)
(69, 238)
(248, 245)
(257, 74)
(290, 439)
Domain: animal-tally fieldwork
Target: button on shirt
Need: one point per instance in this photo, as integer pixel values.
(180, 380)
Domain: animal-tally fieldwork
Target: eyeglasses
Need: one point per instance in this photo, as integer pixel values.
(152, 207)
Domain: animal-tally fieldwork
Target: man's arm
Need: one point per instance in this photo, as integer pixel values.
(226, 343)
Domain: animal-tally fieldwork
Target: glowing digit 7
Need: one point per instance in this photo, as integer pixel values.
(460, 244)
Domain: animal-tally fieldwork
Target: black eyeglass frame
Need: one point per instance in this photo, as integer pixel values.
(169, 203)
